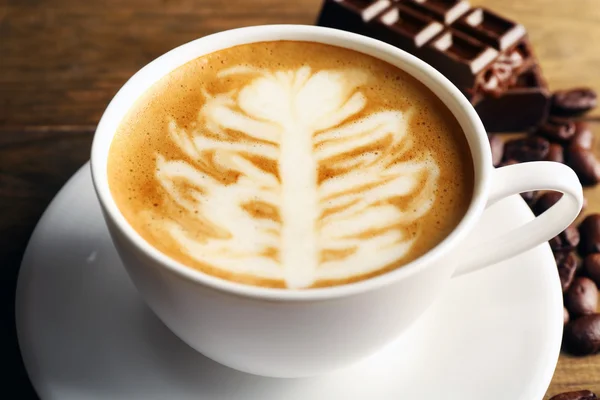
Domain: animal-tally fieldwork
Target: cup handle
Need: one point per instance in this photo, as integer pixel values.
(519, 178)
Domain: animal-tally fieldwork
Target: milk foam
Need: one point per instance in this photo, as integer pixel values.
(342, 226)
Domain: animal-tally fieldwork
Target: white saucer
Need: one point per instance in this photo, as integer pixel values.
(86, 334)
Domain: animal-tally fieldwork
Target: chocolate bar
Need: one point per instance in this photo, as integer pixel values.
(523, 104)
(484, 54)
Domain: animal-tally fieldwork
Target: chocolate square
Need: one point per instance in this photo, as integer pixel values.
(405, 28)
(490, 28)
(444, 11)
(522, 106)
(458, 56)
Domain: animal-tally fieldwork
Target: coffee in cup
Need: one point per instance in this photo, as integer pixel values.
(291, 164)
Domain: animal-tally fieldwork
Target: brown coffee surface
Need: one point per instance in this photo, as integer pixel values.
(291, 164)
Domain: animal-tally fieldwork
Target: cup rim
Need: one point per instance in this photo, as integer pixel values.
(142, 80)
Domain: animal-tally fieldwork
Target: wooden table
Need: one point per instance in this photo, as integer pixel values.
(62, 61)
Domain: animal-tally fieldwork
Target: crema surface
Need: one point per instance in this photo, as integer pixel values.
(290, 164)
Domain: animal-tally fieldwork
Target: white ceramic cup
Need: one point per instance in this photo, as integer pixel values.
(293, 333)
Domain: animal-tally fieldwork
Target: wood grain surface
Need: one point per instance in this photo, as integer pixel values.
(62, 61)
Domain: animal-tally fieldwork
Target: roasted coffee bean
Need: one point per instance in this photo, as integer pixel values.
(584, 163)
(579, 395)
(573, 102)
(531, 148)
(557, 129)
(555, 244)
(556, 153)
(591, 267)
(583, 137)
(565, 316)
(567, 264)
(530, 197)
(497, 146)
(589, 231)
(546, 201)
(567, 240)
(506, 163)
(582, 335)
(582, 297)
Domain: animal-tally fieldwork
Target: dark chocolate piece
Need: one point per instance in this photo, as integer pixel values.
(405, 28)
(523, 105)
(444, 11)
(488, 57)
(416, 26)
(459, 57)
(490, 28)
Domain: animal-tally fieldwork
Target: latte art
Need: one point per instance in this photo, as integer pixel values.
(292, 175)
(313, 228)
